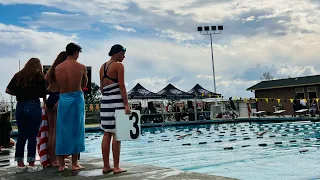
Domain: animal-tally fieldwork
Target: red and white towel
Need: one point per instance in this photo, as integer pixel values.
(42, 140)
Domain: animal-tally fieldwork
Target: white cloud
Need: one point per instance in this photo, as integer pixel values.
(59, 21)
(208, 77)
(179, 36)
(281, 21)
(120, 28)
(18, 43)
(270, 16)
(248, 19)
(154, 84)
(93, 7)
(295, 71)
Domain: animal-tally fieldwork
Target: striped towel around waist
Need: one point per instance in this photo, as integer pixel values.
(111, 101)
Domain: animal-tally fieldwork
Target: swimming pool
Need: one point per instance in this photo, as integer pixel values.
(286, 151)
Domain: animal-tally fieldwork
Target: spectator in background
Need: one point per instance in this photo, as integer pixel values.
(233, 107)
(303, 104)
(248, 102)
(28, 85)
(295, 105)
(232, 104)
(313, 108)
(170, 107)
(5, 131)
(139, 107)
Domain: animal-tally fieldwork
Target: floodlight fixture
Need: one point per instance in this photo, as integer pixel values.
(209, 31)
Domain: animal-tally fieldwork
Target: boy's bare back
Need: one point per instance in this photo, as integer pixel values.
(71, 76)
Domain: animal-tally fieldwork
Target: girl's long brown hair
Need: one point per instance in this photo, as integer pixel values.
(30, 73)
(51, 72)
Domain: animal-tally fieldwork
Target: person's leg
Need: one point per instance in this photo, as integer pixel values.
(105, 145)
(50, 117)
(62, 165)
(116, 145)
(21, 139)
(53, 157)
(75, 165)
(12, 142)
(34, 118)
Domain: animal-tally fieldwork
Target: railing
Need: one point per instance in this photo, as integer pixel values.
(94, 117)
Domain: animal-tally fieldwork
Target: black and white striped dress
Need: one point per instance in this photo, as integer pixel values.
(111, 101)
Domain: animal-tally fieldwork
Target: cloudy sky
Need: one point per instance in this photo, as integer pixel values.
(163, 46)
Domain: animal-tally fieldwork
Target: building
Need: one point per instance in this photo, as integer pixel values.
(241, 105)
(282, 91)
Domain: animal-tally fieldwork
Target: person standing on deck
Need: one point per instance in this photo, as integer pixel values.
(248, 103)
(114, 96)
(51, 106)
(71, 77)
(28, 85)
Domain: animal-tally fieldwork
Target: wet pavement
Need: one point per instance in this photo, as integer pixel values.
(93, 171)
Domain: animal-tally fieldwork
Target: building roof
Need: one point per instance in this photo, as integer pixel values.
(289, 82)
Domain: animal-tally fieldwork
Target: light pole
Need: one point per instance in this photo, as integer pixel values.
(206, 31)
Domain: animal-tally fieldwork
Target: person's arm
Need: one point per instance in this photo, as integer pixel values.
(84, 82)
(122, 86)
(8, 91)
(12, 87)
(101, 80)
(47, 78)
(43, 91)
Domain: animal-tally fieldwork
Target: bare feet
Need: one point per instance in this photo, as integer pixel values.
(77, 167)
(118, 170)
(62, 168)
(55, 163)
(107, 169)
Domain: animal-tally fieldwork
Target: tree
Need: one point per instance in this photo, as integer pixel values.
(94, 97)
(266, 76)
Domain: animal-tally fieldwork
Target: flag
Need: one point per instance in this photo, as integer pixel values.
(42, 140)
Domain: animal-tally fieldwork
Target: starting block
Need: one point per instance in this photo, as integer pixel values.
(301, 112)
(280, 113)
(260, 114)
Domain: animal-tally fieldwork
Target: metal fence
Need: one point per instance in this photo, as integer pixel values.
(94, 117)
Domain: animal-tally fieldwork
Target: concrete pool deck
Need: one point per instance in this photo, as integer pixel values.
(93, 171)
(268, 119)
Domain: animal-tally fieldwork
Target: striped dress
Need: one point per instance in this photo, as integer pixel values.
(111, 101)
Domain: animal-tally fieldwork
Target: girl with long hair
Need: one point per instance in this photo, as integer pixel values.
(51, 106)
(28, 85)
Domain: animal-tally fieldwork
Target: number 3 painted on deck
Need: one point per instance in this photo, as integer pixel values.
(135, 125)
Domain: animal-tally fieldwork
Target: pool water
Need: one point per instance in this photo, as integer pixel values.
(286, 151)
